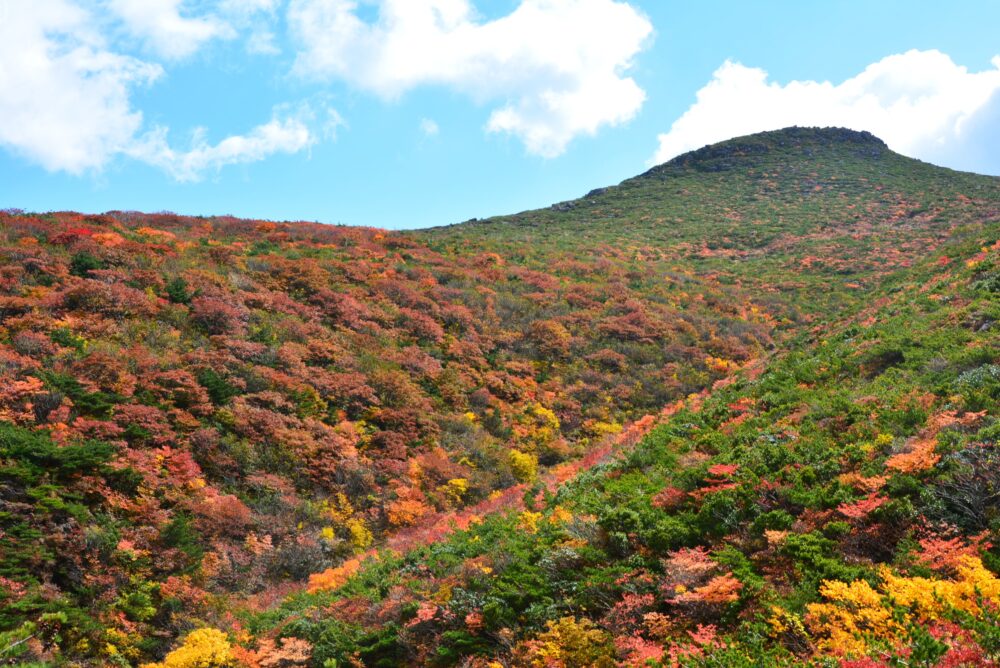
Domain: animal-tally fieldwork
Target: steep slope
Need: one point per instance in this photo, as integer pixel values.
(195, 408)
(833, 507)
(200, 410)
(801, 212)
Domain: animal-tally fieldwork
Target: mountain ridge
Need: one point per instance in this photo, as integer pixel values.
(789, 145)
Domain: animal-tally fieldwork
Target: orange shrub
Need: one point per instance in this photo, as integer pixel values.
(333, 578)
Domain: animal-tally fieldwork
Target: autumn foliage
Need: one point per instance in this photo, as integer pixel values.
(740, 410)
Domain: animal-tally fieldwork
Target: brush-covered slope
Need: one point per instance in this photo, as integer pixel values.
(833, 506)
(802, 219)
(200, 413)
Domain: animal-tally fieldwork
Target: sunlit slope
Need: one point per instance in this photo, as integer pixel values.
(785, 213)
(834, 505)
(201, 415)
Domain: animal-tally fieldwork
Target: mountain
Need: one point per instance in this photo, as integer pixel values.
(737, 410)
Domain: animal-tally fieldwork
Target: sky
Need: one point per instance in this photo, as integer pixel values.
(412, 113)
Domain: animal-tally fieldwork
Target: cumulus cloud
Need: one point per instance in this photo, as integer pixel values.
(64, 96)
(920, 102)
(165, 30)
(287, 135)
(556, 67)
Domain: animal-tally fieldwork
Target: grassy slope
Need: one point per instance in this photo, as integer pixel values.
(805, 439)
(794, 216)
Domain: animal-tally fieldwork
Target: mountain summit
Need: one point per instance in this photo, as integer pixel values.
(788, 143)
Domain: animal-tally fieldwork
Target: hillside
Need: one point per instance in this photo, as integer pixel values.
(201, 415)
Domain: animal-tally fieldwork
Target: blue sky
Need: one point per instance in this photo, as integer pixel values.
(410, 113)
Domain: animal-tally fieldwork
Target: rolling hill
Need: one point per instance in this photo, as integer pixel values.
(737, 410)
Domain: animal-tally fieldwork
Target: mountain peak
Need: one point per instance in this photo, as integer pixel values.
(725, 155)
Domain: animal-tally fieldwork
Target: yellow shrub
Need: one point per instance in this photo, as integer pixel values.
(454, 490)
(523, 466)
(528, 521)
(561, 516)
(122, 644)
(855, 613)
(569, 643)
(338, 507)
(361, 537)
(203, 648)
(536, 427)
(930, 598)
(787, 627)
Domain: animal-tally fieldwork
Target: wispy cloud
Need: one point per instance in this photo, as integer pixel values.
(429, 127)
(162, 26)
(288, 135)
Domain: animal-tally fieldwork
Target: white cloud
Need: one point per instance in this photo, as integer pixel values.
(557, 67)
(332, 120)
(262, 42)
(248, 8)
(64, 97)
(429, 127)
(163, 28)
(920, 102)
(288, 135)
(65, 102)
(256, 18)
